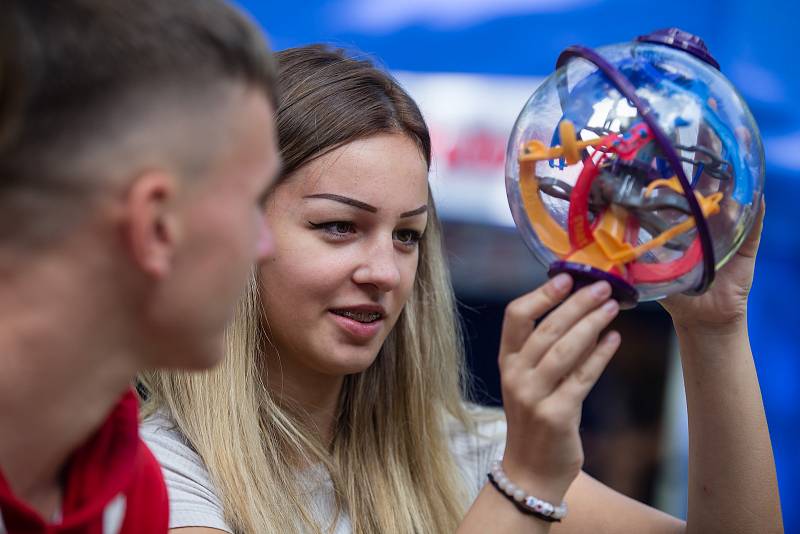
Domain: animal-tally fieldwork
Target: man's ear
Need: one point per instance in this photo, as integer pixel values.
(152, 224)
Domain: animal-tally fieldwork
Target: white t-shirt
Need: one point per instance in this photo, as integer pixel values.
(193, 500)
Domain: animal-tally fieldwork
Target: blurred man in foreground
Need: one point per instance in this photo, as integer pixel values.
(136, 144)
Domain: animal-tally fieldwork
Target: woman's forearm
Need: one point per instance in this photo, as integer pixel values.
(732, 481)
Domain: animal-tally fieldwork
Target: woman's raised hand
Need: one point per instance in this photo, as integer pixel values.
(724, 306)
(546, 373)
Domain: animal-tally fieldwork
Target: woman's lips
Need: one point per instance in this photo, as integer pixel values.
(356, 329)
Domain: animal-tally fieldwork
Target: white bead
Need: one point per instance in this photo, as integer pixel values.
(519, 495)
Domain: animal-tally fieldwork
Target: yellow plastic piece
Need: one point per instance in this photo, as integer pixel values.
(549, 232)
(609, 242)
(709, 205)
(594, 256)
(537, 151)
(570, 148)
(566, 131)
(608, 250)
(611, 250)
(610, 233)
(673, 183)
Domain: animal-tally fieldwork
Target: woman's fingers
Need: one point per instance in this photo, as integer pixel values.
(576, 386)
(749, 247)
(570, 350)
(555, 326)
(521, 313)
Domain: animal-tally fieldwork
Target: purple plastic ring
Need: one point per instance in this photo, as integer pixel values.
(629, 91)
(585, 275)
(681, 40)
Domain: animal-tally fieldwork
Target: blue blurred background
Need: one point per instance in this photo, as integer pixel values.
(516, 42)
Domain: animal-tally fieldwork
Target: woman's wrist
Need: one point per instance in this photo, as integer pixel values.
(732, 327)
(705, 347)
(525, 501)
(551, 489)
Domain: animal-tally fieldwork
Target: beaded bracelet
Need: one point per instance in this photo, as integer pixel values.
(527, 504)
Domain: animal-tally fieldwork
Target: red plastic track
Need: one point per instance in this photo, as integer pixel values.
(580, 233)
(652, 273)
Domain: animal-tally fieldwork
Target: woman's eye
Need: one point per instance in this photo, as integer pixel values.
(341, 228)
(408, 237)
(335, 228)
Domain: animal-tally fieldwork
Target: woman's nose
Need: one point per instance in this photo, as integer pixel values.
(380, 267)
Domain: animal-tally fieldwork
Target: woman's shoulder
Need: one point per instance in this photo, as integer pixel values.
(167, 442)
(193, 499)
(477, 442)
(484, 428)
(159, 426)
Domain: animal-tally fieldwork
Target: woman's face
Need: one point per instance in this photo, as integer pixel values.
(346, 229)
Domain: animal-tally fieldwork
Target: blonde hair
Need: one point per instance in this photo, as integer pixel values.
(389, 461)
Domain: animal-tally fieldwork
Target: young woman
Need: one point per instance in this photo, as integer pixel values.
(339, 406)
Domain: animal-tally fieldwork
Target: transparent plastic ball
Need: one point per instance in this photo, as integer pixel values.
(603, 184)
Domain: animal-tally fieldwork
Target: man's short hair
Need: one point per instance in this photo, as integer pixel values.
(74, 74)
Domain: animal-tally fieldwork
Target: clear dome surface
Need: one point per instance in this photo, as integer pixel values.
(596, 179)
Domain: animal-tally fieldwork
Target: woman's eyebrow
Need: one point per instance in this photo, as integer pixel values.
(363, 205)
(345, 200)
(421, 209)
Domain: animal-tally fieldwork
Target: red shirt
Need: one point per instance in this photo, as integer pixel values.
(114, 485)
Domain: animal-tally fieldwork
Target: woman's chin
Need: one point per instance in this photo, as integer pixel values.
(353, 362)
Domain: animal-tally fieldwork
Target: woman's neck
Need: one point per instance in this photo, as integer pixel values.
(315, 394)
